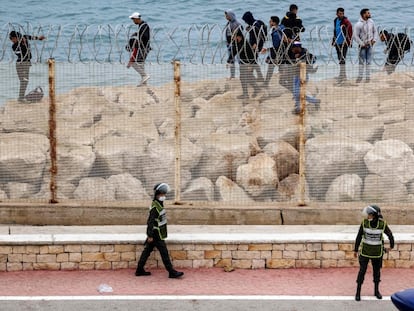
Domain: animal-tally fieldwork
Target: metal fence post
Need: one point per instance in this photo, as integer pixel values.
(177, 133)
(52, 132)
(302, 115)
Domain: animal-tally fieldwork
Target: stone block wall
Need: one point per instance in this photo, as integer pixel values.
(239, 256)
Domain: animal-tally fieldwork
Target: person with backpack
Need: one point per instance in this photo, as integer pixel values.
(139, 46)
(277, 50)
(396, 46)
(232, 26)
(21, 48)
(257, 32)
(293, 23)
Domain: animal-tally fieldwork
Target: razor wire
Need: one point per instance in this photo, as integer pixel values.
(194, 44)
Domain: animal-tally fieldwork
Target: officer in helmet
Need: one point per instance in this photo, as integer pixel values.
(369, 245)
(157, 233)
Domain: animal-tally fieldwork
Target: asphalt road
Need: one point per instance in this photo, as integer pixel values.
(195, 303)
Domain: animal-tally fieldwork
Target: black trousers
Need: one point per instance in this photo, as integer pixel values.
(162, 248)
(376, 268)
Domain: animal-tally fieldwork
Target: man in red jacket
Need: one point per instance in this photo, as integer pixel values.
(342, 39)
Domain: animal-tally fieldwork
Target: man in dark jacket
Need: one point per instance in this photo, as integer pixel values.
(139, 46)
(242, 49)
(397, 46)
(157, 233)
(293, 23)
(257, 32)
(21, 48)
(342, 39)
(232, 26)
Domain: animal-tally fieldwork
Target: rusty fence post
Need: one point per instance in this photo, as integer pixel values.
(302, 119)
(177, 133)
(52, 132)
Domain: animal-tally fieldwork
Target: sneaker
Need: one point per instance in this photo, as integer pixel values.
(358, 80)
(142, 273)
(23, 100)
(144, 80)
(175, 274)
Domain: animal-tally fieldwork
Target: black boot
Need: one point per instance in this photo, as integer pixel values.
(358, 292)
(377, 292)
(142, 272)
(173, 274)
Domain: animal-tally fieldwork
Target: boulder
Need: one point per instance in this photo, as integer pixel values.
(19, 190)
(384, 189)
(95, 189)
(392, 159)
(329, 156)
(229, 191)
(259, 176)
(200, 189)
(289, 190)
(403, 131)
(3, 195)
(75, 162)
(23, 157)
(285, 156)
(128, 188)
(345, 188)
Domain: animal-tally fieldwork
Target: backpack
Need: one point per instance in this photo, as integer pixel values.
(404, 42)
(35, 95)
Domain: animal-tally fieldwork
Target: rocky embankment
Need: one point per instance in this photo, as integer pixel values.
(115, 143)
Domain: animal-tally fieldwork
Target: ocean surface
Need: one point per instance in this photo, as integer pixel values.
(85, 32)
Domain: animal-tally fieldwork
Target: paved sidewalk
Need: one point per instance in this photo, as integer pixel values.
(213, 281)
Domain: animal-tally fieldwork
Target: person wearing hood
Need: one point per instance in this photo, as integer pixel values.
(396, 46)
(293, 23)
(365, 34)
(232, 26)
(157, 233)
(21, 47)
(257, 32)
(369, 245)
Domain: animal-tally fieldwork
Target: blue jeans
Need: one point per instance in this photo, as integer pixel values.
(365, 58)
(296, 94)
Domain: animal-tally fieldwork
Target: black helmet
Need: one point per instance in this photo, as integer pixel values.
(161, 188)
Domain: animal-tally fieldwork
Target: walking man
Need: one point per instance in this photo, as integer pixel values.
(139, 46)
(365, 35)
(232, 26)
(342, 39)
(157, 233)
(397, 45)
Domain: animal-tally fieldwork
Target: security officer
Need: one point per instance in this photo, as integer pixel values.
(372, 247)
(157, 233)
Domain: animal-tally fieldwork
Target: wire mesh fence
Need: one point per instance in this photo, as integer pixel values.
(194, 130)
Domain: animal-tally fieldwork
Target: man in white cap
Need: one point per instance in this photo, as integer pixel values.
(139, 46)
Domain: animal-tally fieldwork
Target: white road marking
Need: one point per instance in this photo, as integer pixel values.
(186, 297)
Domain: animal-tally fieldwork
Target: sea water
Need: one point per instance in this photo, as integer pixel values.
(187, 30)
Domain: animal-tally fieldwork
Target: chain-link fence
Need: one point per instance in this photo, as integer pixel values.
(192, 127)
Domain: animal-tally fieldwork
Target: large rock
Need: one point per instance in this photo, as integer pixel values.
(229, 191)
(259, 176)
(3, 195)
(403, 131)
(392, 159)
(224, 153)
(328, 157)
(23, 157)
(384, 189)
(289, 190)
(116, 155)
(285, 156)
(200, 189)
(95, 189)
(345, 188)
(128, 188)
(17, 190)
(74, 163)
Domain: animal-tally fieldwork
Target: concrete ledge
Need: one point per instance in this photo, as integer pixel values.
(246, 247)
(198, 214)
